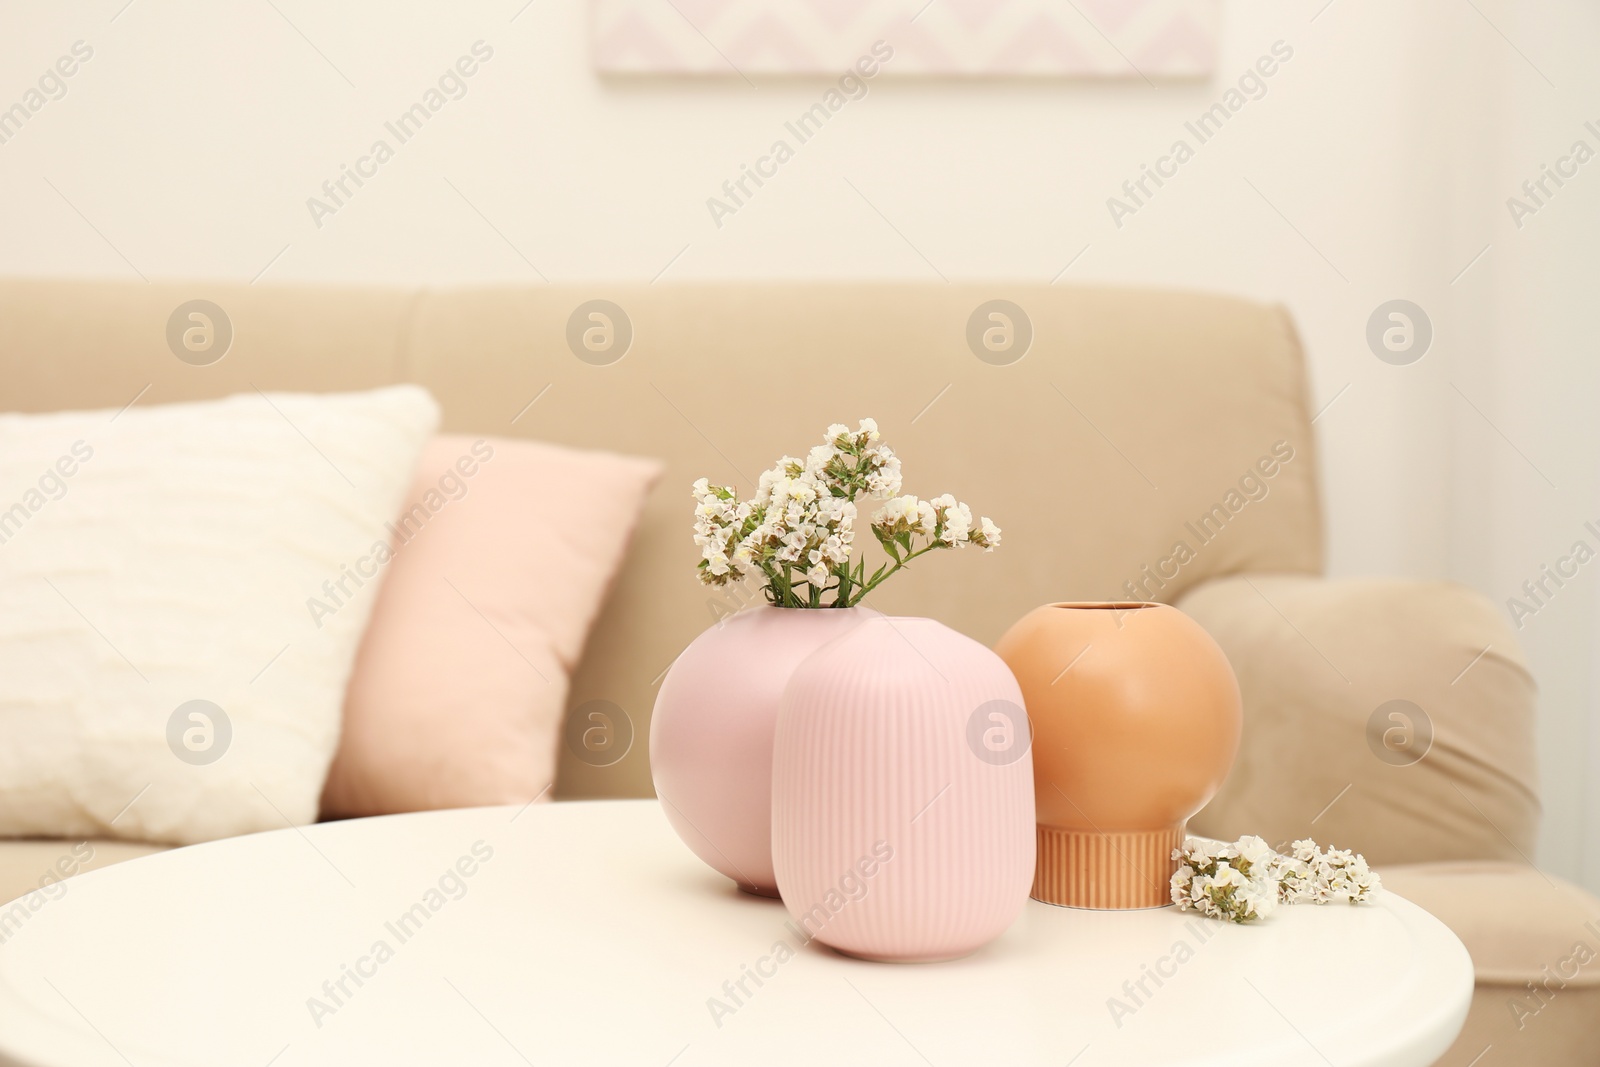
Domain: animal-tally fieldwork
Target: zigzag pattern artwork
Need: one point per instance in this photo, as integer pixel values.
(1085, 38)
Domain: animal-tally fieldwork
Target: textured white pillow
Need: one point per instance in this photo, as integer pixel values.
(164, 555)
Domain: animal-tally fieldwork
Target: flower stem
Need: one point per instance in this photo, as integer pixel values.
(886, 575)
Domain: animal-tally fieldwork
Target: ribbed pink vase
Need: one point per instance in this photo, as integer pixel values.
(711, 733)
(902, 793)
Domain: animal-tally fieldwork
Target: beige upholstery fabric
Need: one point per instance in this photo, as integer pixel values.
(1133, 414)
(1126, 429)
(26, 866)
(1316, 659)
(1565, 1034)
(1535, 943)
(1510, 946)
(83, 345)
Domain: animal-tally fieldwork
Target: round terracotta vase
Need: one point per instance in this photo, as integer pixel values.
(712, 728)
(1136, 721)
(902, 794)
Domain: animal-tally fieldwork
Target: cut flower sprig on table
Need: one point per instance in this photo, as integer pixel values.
(799, 530)
(1247, 880)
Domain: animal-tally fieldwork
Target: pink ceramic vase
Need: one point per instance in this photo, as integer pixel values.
(711, 733)
(902, 793)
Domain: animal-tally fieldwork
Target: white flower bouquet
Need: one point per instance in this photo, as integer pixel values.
(1232, 882)
(1247, 880)
(798, 531)
(1310, 876)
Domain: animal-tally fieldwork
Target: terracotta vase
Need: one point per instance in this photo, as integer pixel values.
(1136, 721)
(712, 728)
(902, 794)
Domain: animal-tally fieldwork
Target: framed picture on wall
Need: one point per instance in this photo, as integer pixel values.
(1146, 39)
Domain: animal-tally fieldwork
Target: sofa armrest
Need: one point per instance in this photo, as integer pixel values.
(1326, 754)
(1535, 946)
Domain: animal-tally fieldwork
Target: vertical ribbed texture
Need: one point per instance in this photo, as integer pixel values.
(1087, 869)
(872, 755)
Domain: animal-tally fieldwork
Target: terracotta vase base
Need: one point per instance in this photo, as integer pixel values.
(1106, 871)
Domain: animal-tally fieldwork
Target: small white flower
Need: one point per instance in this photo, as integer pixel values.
(900, 509)
(1254, 850)
(1227, 875)
(987, 534)
(1260, 899)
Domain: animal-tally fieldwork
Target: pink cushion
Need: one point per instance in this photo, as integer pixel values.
(501, 560)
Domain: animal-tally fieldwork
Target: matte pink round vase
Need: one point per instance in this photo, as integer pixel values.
(711, 733)
(902, 794)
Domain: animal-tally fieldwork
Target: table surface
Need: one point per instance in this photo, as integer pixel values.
(586, 933)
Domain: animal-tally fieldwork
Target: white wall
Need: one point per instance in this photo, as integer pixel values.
(1536, 372)
(1376, 166)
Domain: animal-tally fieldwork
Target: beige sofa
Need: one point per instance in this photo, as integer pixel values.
(1147, 445)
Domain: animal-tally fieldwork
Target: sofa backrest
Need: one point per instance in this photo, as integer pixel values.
(1143, 442)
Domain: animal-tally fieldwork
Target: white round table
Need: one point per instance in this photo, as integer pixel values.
(586, 933)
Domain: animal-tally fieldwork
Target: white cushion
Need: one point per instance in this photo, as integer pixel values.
(164, 555)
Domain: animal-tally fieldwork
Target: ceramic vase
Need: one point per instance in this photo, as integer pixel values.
(712, 728)
(1136, 722)
(902, 794)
